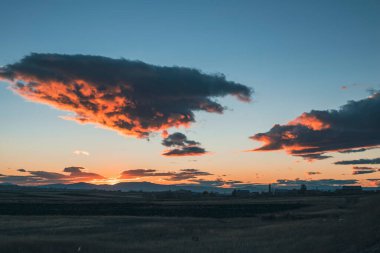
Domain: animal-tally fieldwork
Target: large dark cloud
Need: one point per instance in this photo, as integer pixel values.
(183, 174)
(359, 161)
(181, 146)
(131, 97)
(73, 175)
(354, 127)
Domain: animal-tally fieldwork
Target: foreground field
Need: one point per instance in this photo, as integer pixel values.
(319, 224)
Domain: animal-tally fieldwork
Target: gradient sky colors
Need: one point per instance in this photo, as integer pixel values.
(297, 56)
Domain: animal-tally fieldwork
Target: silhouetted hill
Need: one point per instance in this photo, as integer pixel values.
(136, 186)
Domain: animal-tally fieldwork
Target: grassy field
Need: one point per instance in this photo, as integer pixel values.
(316, 224)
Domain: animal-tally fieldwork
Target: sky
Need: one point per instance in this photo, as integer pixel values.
(287, 57)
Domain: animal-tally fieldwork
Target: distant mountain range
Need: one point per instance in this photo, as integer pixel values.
(131, 186)
(152, 187)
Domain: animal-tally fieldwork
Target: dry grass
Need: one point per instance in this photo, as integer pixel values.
(330, 225)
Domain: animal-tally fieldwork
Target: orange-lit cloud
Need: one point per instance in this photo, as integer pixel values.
(374, 181)
(310, 121)
(353, 128)
(131, 97)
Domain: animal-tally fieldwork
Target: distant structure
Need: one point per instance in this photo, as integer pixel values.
(240, 193)
(270, 189)
(351, 189)
(303, 189)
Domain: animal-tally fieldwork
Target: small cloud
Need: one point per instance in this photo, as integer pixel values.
(186, 151)
(81, 152)
(181, 146)
(353, 150)
(220, 182)
(314, 173)
(21, 170)
(357, 170)
(359, 161)
(186, 174)
(183, 174)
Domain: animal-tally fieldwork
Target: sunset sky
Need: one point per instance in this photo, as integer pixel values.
(257, 64)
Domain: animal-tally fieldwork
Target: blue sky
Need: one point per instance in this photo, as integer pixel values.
(296, 55)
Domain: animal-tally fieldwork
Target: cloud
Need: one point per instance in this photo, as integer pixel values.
(312, 157)
(357, 170)
(73, 175)
(21, 170)
(131, 97)
(22, 180)
(137, 173)
(359, 161)
(181, 146)
(218, 182)
(47, 175)
(186, 174)
(314, 173)
(185, 151)
(178, 139)
(76, 172)
(354, 150)
(214, 183)
(352, 128)
(183, 174)
(81, 152)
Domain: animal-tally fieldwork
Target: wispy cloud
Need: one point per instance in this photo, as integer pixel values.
(183, 174)
(310, 173)
(359, 161)
(69, 175)
(358, 170)
(81, 152)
